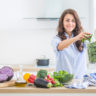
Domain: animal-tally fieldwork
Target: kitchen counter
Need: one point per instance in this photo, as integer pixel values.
(34, 90)
(45, 90)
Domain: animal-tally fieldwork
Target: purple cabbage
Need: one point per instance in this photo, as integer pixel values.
(3, 77)
(8, 71)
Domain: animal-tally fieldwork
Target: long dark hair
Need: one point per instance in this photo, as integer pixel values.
(78, 29)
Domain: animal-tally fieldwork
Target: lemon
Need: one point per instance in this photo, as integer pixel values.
(26, 76)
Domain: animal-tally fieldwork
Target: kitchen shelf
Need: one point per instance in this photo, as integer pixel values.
(32, 68)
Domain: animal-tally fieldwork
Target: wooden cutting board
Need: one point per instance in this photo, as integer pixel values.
(7, 83)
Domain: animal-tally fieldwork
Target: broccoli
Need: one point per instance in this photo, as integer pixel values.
(42, 73)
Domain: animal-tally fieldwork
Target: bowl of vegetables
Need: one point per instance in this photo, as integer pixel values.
(91, 47)
(63, 76)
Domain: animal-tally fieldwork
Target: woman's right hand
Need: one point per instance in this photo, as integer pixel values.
(82, 35)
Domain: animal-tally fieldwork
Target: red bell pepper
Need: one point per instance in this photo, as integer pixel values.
(31, 78)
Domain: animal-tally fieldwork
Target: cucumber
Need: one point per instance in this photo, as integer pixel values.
(39, 82)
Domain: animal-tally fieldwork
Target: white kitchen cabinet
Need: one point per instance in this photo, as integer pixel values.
(52, 8)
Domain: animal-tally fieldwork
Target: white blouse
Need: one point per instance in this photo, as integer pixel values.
(70, 59)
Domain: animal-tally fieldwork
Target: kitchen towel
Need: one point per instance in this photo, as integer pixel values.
(78, 85)
(88, 80)
(91, 79)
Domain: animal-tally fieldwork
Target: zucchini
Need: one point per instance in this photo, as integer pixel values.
(39, 82)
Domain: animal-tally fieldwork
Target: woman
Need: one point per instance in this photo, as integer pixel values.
(70, 51)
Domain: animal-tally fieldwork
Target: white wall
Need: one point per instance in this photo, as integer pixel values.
(24, 40)
(94, 14)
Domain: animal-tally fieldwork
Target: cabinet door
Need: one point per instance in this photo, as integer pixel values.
(52, 8)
